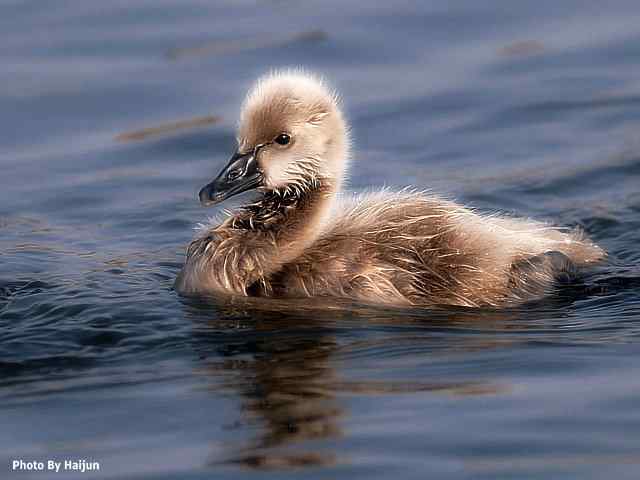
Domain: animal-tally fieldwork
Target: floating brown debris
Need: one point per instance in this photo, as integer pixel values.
(166, 128)
(222, 47)
(522, 48)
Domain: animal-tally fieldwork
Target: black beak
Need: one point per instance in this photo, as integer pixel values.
(241, 174)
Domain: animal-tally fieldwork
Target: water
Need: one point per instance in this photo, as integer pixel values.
(530, 108)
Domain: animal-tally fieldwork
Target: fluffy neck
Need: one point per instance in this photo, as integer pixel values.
(287, 220)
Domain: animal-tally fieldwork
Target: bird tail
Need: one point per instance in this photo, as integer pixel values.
(579, 248)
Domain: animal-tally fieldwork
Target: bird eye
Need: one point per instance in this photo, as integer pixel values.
(283, 139)
(233, 174)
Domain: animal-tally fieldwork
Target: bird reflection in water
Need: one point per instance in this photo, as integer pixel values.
(283, 359)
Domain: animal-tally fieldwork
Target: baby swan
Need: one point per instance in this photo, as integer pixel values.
(300, 238)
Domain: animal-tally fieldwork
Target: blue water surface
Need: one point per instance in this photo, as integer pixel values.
(530, 108)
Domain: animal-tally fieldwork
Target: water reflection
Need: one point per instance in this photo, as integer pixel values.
(285, 361)
(285, 396)
(283, 377)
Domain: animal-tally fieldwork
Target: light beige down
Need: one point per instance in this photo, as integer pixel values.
(302, 237)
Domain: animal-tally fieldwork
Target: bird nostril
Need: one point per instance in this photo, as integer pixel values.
(233, 174)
